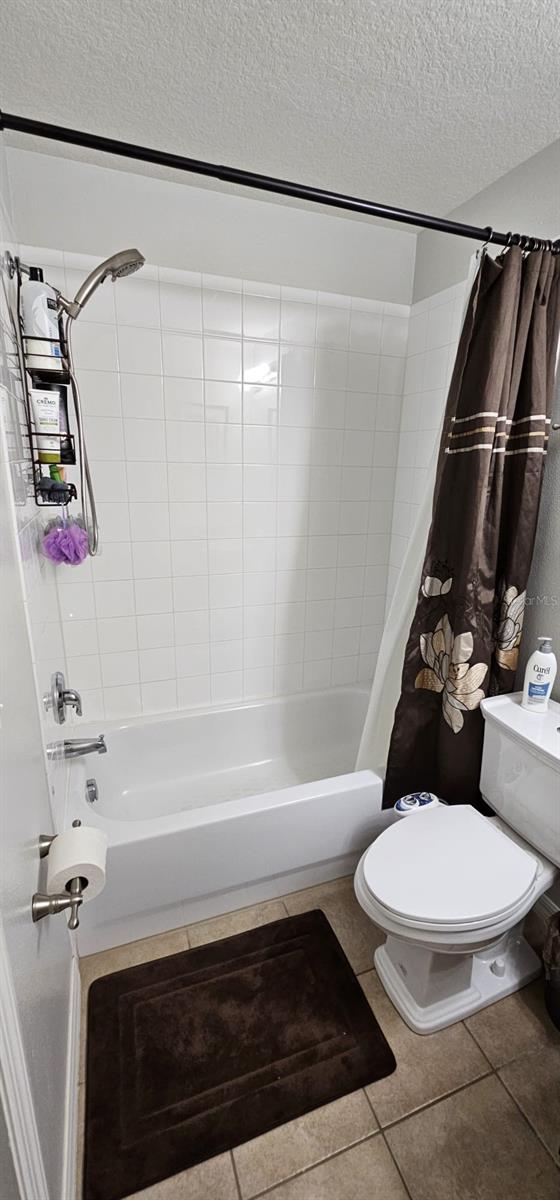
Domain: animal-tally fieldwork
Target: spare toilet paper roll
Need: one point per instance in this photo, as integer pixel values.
(80, 851)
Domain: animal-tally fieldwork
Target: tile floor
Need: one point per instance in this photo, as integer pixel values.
(471, 1112)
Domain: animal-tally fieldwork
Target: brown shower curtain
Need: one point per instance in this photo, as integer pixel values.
(464, 639)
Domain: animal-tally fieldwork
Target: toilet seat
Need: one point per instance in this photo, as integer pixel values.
(450, 870)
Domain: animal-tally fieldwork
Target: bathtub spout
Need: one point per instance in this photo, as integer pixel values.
(75, 747)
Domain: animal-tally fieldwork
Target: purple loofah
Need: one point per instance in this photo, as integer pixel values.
(66, 544)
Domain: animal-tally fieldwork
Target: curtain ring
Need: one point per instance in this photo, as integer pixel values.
(489, 235)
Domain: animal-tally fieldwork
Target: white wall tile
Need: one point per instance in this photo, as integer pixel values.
(105, 438)
(114, 598)
(184, 399)
(99, 391)
(137, 302)
(226, 624)
(297, 366)
(193, 659)
(139, 350)
(186, 482)
(260, 404)
(157, 664)
(246, 526)
(189, 556)
(222, 401)
(153, 596)
(298, 322)
(182, 354)
(194, 692)
(191, 627)
(181, 308)
(190, 593)
(95, 347)
(185, 441)
(221, 311)
(261, 317)
(117, 634)
(141, 396)
(144, 440)
(119, 668)
(151, 560)
(140, 482)
(155, 630)
(222, 359)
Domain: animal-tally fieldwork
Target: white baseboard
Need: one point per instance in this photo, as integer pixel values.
(72, 1070)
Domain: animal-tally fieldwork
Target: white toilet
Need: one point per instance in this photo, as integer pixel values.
(451, 888)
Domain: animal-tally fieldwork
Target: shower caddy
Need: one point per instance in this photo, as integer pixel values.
(46, 493)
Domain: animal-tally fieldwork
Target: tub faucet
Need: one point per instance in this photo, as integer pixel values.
(75, 747)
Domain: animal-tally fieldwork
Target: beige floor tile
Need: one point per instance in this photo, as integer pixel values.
(291, 1148)
(474, 1144)
(211, 1180)
(428, 1065)
(94, 966)
(366, 1172)
(514, 1026)
(357, 935)
(235, 922)
(534, 1082)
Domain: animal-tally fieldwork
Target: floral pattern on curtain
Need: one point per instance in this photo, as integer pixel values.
(465, 636)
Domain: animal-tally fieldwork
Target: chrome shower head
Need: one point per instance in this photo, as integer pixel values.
(125, 262)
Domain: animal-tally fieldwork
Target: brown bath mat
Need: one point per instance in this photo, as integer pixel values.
(192, 1054)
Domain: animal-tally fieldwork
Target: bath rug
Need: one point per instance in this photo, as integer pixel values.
(195, 1053)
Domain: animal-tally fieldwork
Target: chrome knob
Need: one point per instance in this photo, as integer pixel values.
(60, 698)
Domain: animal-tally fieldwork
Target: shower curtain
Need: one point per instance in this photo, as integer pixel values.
(465, 634)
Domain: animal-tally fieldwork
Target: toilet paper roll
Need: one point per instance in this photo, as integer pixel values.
(80, 851)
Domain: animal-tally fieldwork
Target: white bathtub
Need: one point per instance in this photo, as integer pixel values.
(210, 810)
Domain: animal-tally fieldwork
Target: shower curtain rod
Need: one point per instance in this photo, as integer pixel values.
(267, 183)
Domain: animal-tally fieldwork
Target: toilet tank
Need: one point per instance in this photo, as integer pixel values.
(520, 774)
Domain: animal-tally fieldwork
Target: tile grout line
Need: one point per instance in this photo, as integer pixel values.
(306, 1170)
(235, 1175)
(396, 1165)
(429, 1103)
(555, 1157)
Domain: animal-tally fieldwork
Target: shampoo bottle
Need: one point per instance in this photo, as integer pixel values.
(540, 674)
(39, 311)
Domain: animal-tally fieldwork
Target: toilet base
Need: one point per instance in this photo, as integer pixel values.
(452, 986)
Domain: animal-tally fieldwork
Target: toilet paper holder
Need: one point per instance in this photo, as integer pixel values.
(44, 905)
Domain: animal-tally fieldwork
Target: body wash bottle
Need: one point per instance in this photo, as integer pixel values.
(540, 674)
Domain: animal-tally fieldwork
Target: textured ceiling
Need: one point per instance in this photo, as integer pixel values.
(419, 103)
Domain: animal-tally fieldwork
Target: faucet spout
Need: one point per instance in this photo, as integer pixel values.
(76, 747)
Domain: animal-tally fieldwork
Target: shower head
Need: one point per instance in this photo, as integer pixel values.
(125, 262)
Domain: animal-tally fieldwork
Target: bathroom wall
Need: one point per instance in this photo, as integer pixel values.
(96, 209)
(243, 439)
(526, 200)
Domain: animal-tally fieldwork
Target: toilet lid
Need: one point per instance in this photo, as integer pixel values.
(448, 866)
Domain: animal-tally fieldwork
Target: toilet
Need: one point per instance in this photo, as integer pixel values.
(450, 888)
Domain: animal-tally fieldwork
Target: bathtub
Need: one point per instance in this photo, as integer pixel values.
(210, 810)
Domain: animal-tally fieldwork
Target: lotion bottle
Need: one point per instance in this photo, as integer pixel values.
(540, 674)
